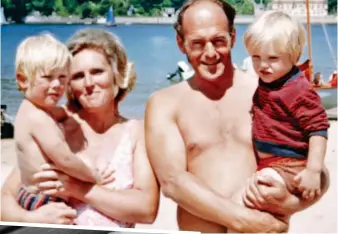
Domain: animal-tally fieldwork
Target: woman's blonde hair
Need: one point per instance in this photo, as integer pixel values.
(42, 52)
(110, 45)
(283, 32)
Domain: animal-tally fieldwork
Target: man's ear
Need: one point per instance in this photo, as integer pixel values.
(180, 43)
(21, 82)
(233, 37)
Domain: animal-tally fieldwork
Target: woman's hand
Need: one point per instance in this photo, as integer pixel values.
(50, 181)
(53, 213)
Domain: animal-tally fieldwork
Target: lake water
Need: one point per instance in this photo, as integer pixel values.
(155, 53)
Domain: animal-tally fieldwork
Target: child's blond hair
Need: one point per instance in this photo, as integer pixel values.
(276, 28)
(42, 52)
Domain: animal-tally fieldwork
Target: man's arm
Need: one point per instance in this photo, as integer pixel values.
(166, 150)
(267, 194)
(52, 142)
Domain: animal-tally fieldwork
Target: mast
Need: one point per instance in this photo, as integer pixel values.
(309, 37)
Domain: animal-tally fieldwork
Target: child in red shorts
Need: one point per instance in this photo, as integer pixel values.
(289, 123)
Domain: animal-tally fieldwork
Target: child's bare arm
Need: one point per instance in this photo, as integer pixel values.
(52, 142)
(316, 155)
(308, 180)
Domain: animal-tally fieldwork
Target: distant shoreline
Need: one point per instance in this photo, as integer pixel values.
(240, 19)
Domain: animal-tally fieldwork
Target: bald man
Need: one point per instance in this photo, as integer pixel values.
(198, 132)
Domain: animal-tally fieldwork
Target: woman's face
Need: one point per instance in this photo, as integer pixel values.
(91, 79)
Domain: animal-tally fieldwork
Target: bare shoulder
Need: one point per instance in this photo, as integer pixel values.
(246, 78)
(246, 81)
(136, 126)
(29, 116)
(167, 99)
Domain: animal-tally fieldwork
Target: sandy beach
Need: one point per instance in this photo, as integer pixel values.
(319, 218)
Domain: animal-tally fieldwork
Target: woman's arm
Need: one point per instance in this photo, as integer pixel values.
(136, 205)
(11, 211)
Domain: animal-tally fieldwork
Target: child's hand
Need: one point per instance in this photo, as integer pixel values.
(308, 182)
(105, 174)
(59, 113)
(53, 213)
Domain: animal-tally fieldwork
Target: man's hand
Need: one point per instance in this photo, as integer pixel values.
(53, 213)
(308, 182)
(256, 221)
(267, 194)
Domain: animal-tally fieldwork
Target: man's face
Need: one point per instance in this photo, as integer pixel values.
(206, 40)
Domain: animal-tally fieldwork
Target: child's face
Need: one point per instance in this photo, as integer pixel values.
(48, 87)
(270, 64)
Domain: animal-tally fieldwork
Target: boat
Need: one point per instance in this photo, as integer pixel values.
(184, 72)
(2, 17)
(7, 127)
(110, 20)
(328, 92)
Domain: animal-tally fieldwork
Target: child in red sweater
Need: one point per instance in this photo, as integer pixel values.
(289, 123)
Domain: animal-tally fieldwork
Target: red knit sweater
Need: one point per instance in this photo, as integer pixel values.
(286, 113)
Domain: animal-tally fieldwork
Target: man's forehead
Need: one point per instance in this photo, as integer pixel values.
(206, 32)
(208, 19)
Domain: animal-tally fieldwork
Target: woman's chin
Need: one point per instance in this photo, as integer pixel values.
(92, 106)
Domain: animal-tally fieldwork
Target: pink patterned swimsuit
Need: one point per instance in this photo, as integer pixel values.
(122, 160)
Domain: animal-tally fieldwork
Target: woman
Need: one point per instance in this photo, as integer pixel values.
(100, 78)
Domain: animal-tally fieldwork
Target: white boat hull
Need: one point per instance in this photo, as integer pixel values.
(329, 97)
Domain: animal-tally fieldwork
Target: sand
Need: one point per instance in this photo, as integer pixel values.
(319, 218)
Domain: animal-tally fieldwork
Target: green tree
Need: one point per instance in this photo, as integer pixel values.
(45, 7)
(16, 9)
(147, 5)
(88, 10)
(332, 6)
(246, 8)
(71, 6)
(155, 12)
(166, 3)
(177, 3)
(120, 7)
(8, 8)
(60, 9)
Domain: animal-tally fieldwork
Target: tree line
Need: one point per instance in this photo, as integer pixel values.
(17, 10)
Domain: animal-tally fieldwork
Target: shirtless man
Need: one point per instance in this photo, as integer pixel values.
(198, 132)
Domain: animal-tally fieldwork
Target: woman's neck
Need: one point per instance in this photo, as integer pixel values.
(101, 119)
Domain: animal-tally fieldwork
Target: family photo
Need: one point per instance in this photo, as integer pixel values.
(207, 116)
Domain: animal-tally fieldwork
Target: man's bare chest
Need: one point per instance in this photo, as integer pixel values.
(208, 125)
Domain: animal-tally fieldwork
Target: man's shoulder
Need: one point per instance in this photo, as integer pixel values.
(246, 79)
(168, 95)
